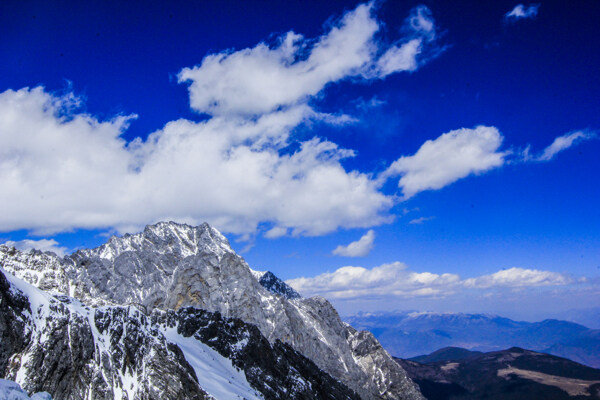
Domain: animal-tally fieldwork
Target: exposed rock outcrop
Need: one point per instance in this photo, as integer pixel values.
(73, 351)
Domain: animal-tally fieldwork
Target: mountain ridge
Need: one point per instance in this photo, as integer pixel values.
(411, 334)
(171, 266)
(510, 374)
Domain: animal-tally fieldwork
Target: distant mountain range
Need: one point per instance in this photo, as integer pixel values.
(589, 317)
(447, 354)
(513, 374)
(407, 334)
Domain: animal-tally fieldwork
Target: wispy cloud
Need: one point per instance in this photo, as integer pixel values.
(359, 248)
(275, 232)
(41, 245)
(522, 12)
(420, 220)
(464, 152)
(564, 142)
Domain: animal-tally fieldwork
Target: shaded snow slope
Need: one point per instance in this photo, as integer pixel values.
(216, 374)
(276, 286)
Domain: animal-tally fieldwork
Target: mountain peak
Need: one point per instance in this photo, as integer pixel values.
(275, 285)
(166, 237)
(170, 266)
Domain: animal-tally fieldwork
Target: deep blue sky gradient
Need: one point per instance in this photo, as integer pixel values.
(533, 79)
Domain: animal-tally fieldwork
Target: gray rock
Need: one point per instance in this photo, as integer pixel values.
(77, 352)
(170, 265)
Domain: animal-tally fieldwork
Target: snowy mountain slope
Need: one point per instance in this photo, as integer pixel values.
(276, 370)
(74, 352)
(10, 390)
(170, 266)
(257, 274)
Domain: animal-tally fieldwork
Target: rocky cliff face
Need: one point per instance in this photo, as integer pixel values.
(73, 351)
(60, 346)
(170, 266)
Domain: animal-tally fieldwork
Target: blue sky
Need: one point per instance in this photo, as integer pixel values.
(459, 140)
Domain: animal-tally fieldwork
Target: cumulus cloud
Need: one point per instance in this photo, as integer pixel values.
(450, 157)
(388, 279)
(41, 245)
(62, 169)
(522, 12)
(360, 248)
(61, 172)
(266, 78)
(240, 169)
(397, 280)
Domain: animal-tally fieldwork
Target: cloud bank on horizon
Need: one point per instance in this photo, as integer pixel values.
(397, 280)
(62, 169)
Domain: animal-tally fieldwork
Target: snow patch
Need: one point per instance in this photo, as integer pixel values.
(216, 374)
(257, 274)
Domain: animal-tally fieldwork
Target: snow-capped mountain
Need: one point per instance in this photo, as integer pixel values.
(170, 267)
(61, 346)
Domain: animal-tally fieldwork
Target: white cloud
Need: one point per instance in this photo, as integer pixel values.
(57, 170)
(519, 277)
(42, 245)
(397, 280)
(385, 280)
(420, 220)
(60, 173)
(450, 157)
(564, 142)
(522, 12)
(403, 58)
(266, 78)
(61, 169)
(275, 232)
(359, 248)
